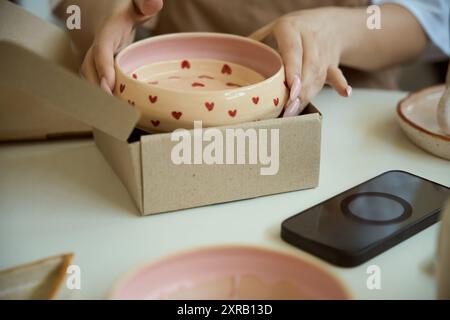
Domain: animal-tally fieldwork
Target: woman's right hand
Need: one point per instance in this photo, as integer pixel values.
(116, 32)
(311, 43)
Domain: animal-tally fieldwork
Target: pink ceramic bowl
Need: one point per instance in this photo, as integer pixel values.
(231, 272)
(417, 115)
(219, 79)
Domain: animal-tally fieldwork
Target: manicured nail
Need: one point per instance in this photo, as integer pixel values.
(296, 87)
(288, 103)
(292, 109)
(349, 91)
(104, 86)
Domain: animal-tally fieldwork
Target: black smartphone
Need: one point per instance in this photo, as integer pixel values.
(360, 223)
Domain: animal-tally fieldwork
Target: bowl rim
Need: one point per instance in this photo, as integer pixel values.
(411, 123)
(311, 260)
(199, 34)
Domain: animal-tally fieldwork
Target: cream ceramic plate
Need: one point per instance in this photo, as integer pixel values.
(231, 272)
(417, 116)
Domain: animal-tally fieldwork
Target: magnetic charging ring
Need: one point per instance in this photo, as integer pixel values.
(376, 208)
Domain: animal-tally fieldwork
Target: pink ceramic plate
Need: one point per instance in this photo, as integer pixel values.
(218, 79)
(231, 272)
(417, 115)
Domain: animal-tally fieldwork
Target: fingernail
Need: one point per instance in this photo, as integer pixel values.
(349, 91)
(288, 103)
(296, 87)
(104, 86)
(292, 109)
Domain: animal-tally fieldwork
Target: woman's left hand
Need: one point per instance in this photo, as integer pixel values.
(310, 43)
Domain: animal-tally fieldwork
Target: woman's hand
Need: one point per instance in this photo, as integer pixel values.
(116, 32)
(310, 43)
(313, 43)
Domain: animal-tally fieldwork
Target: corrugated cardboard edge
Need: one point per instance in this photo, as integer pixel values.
(125, 160)
(156, 188)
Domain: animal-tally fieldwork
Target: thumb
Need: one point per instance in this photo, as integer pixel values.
(291, 50)
(289, 45)
(148, 8)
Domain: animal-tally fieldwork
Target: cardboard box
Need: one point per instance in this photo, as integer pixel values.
(143, 161)
(28, 118)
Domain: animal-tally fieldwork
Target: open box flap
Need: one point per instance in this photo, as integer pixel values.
(37, 35)
(21, 69)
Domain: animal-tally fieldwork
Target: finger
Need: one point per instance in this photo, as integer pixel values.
(293, 109)
(337, 80)
(88, 69)
(291, 50)
(103, 55)
(104, 85)
(314, 70)
(147, 8)
(262, 33)
(309, 91)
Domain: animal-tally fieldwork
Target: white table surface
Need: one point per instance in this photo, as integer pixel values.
(58, 197)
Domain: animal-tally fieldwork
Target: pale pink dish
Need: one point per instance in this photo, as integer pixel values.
(417, 116)
(231, 272)
(218, 79)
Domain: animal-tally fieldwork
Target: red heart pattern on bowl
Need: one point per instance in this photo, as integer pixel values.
(232, 113)
(276, 102)
(226, 69)
(185, 64)
(207, 81)
(174, 80)
(177, 115)
(153, 99)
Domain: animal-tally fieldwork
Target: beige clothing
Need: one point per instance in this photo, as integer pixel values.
(242, 17)
(233, 16)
